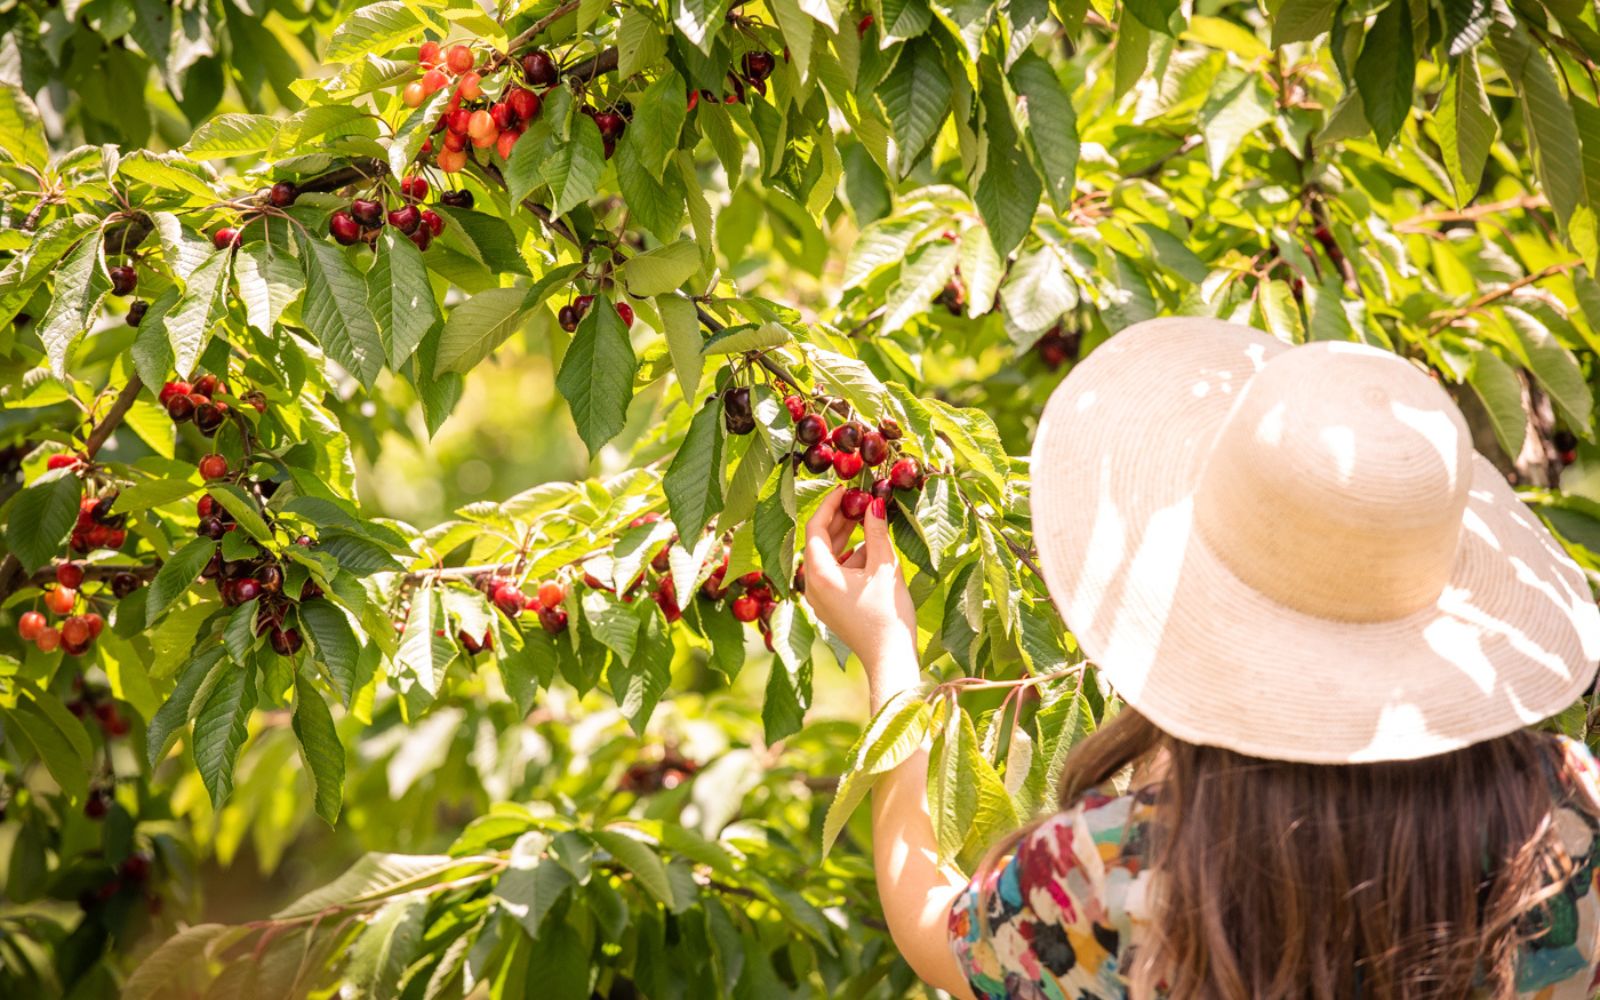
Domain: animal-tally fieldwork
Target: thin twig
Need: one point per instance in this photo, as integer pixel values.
(1450, 317)
(1472, 213)
(526, 38)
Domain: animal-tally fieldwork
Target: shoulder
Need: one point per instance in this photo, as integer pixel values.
(1057, 907)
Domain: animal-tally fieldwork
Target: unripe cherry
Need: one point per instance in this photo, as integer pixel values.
(452, 160)
(481, 126)
(470, 87)
(75, 631)
(551, 594)
(414, 94)
(433, 81)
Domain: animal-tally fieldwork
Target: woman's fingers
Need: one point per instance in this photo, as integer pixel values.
(879, 550)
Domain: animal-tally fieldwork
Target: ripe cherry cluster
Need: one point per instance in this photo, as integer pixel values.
(198, 402)
(848, 450)
(645, 777)
(471, 117)
(94, 699)
(77, 632)
(97, 527)
(1057, 348)
(571, 314)
(124, 279)
(364, 218)
(129, 878)
(507, 595)
(754, 69)
(662, 590)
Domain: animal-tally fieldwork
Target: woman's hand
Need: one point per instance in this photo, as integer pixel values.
(862, 597)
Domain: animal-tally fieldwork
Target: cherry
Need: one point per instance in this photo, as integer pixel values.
(582, 303)
(507, 142)
(61, 460)
(69, 575)
(209, 417)
(136, 310)
(609, 147)
(406, 218)
(75, 631)
(666, 598)
(96, 808)
(863, 24)
(428, 54)
(594, 582)
(502, 116)
(344, 227)
(213, 466)
(746, 608)
(225, 237)
(846, 464)
(124, 279)
(30, 624)
(796, 407)
(649, 517)
(270, 577)
(847, 436)
(818, 458)
(626, 312)
(282, 194)
(61, 600)
(414, 94)
(874, 449)
(459, 59)
(854, 504)
(413, 186)
(211, 527)
(523, 103)
(285, 641)
(953, 297)
(469, 87)
(48, 639)
(903, 475)
(889, 428)
(367, 212)
(423, 238)
(758, 65)
(882, 489)
(461, 198)
(553, 620)
(458, 121)
(551, 594)
(567, 316)
(123, 584)
(737, 97)
(433, 81)
(482, 129)
(452, 161)
(257, 400)
(509, 599)
(433, 220)
(736, 401)
(172, 389)
(208, 385)
(96, 624)
(539, 69)
(135, 867)
(246, 589)
(694, 99)
(611, 125)
(810, 429)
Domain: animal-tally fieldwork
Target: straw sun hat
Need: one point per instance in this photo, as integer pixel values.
(1294, 552)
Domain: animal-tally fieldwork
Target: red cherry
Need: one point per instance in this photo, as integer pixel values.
(523, 103)
(847, 436)
(626, 312)
(96, 807)
(481, 128)
(458, 121)
(460, 59)
(452, 161)
(282, 194)
(414, 187)
(846, 464)
(367, 212)
(135, 867)
(567, 317)
(508, 598)
(539, 69)
(96, 624)
(874, 449)
(225, 238)
(30, 624)
(507, 142)
(666, 598)
(213, 466)
(818, 458)
(551, 594)
(796, 407)
(209, 386)
(553, 620)
(904, 474)
(69, 575)
(172, 389)
(758, 65)
(433, 81)
(61, 460)
(611, 125)
(746, 608)
(406, 218)
(810, 429)
(582, 303)
(502, 116)
(246, 590)
(47, 640)
(423, 237)
(345, 229)
(61, 600)
(75, 631)
(863, 24)
(889, 429)
(433, 220)
(649, 517)
(428, 54)
(285, 641)
(414, 94)
(124, 279)
(469, 87)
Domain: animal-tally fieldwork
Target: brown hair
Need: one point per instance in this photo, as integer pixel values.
(1403, 880)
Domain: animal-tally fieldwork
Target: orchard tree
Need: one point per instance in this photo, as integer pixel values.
(771, 249)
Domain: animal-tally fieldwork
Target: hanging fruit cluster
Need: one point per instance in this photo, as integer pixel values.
(97, 700)
(1057, 348)
(77, 630)
(507, 595)
(199, 402)
(571, 314)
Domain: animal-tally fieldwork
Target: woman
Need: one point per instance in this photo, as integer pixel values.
(1332, 623)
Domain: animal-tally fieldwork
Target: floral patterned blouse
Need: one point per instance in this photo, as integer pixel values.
(1065, 909)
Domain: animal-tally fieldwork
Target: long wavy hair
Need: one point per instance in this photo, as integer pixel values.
(1389, 881)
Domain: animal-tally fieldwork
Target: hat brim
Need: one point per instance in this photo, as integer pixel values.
(1513, 638)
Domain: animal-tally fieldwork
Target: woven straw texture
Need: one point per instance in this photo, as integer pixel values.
(1317, 569)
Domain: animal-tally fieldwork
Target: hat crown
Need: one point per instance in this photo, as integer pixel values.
(1337, 484)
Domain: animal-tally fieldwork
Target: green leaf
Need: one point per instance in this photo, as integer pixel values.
(916, 99)
(414, 131)
(1467, 127)
(1008, 190)
(658, 117)
(533, 883)
(220, 730)
(574, 168)
(641, 41)
(41, 516)
(182, 249)
(1231, 115)
(175, 576)
(372, 28)
(952, 781)
(903, 18)
(335, 310)
(1557, 154)
(477, 326)
(239, 632)
(1556, 368)
(1052, 126)
(1501, 392)
(375, 876)
(333, 644)
(699, 20)
(194, 686)
(190, 323)
(596, 376)
(22, 136)
(1466, 23)
(1037, 293)
(892, 736)
(639, 858)
(775, 528)
(661, 270)
(681, 326)
(243, 509)
(35, 732)
(1386, 71)
(269, 279)
(922, 277)
(399, 295)
(386, 947)
(224, 136)
(320, 747)
(482, 237)
(81, 284)
(693, 482)
(638, 684)
(1301, 20)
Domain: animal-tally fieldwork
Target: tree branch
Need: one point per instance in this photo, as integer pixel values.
(108, 423)
(526, 38)
(587, 70)
(1451, 316)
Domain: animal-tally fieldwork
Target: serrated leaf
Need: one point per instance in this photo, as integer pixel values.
(1008, 189)
(243, 510)
(373, 877)
(22, 135)
(662, 270)
(409, 136)
(1301, 20)
(952, 781)
(335, 310)
(574, 168)
(681, 327)
(483, 237)
(81, 284)
(220, 730)
(41, 516)
(175, 961)
(232, 134)
(641, 41)
(693, 482)
(320, 748)
(400, 297)
(386, 947)
(1556, 368)
(640, 859)
(477, 326)
(182, 249)
(333, 644)
(597, 374)
(533, 883)
(738, 339)
(923, 276)
(775, 529)
(190, 322)
(175, 577)
(193, 687)
(1467, 127)
(1052, 126)
(638, 684)
(1385, 72)
(269, 278)
(916, 99)
(372, 28)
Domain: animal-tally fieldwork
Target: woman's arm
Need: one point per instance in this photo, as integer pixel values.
(863, 598)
